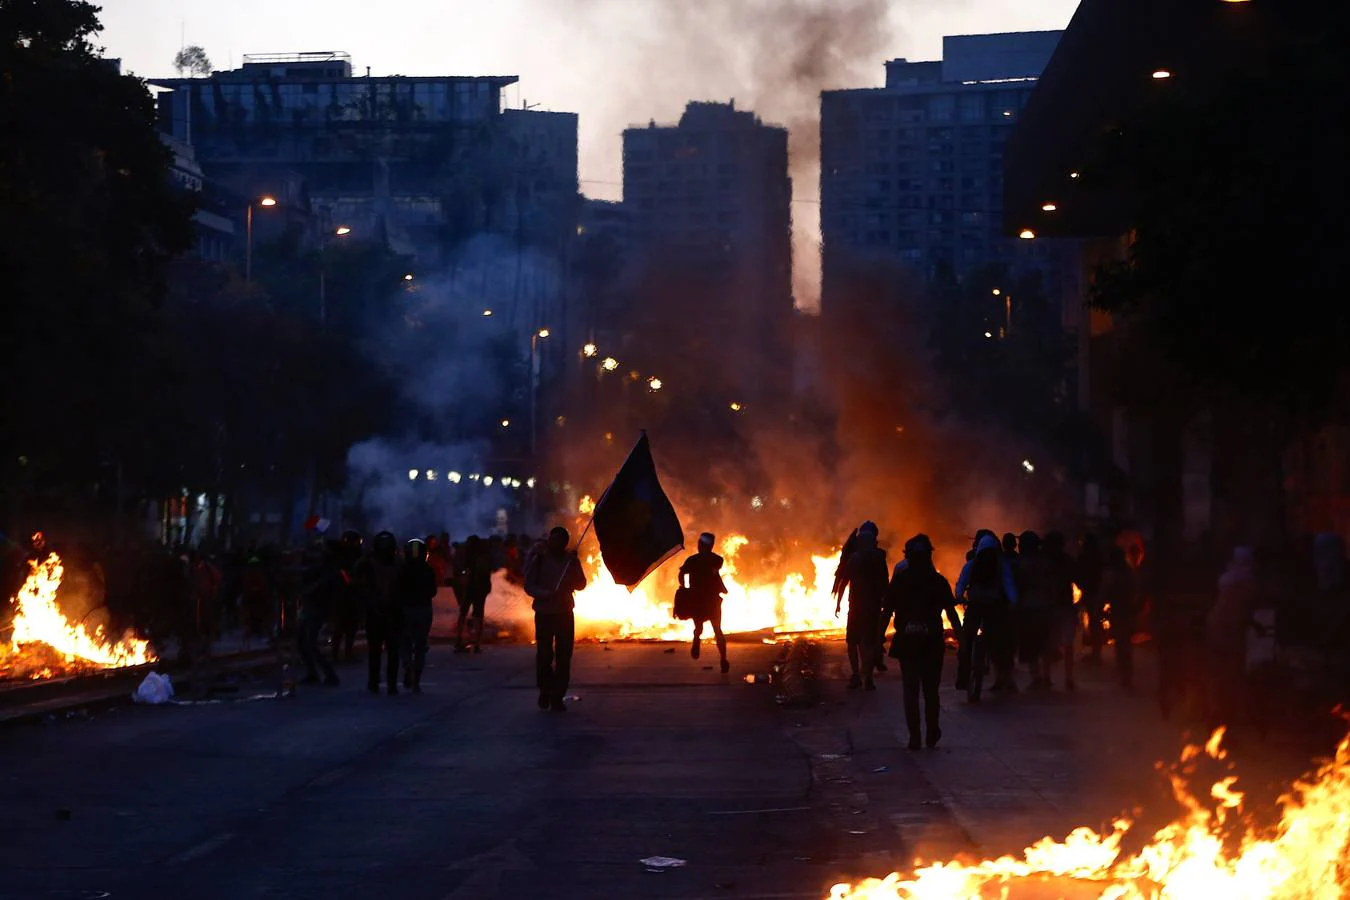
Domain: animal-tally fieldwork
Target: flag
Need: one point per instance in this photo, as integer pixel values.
(635, 522)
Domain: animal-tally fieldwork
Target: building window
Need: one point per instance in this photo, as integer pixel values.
(941, 107)
(972, 106)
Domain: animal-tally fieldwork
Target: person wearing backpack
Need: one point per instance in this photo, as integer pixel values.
(918, 595)
(989, 592)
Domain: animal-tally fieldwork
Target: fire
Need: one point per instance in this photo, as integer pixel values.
(792, 604)
(587, 506)
(1212, 850)
(41, 627)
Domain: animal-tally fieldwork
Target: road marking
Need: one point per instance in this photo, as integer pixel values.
(207, 846)
(751, 812)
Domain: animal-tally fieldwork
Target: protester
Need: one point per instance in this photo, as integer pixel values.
(1226, 637)
(1120, 592)
(318, 600)
(919, 595)
(988, 589)
(552, 580)
(413, 590)
(1088, 576)
(865, 576)
(1063, 618)
(350, 603)
(701, 574)
(476, 579)
(376, 577)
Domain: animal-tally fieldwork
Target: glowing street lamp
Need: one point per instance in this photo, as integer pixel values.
(736, 407)
(1049, 207)
(1027, 234)
(487, 313)
(610, 364)
(265, 200)
(542, 333)
(408, 277)
(506, 423)
(589, 350)
(654, 383)
(1161, 74)
(342, 230)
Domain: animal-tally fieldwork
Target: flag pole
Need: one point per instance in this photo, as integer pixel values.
(591, 521)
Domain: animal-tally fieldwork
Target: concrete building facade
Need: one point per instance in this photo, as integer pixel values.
(912, 173)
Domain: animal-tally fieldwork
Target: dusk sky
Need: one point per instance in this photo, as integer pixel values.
(616, 62)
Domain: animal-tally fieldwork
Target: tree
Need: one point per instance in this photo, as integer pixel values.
(88, 223)
(193, 60)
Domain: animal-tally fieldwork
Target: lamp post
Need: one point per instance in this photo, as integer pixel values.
(340, 231)
(538, 335)
(266, 200)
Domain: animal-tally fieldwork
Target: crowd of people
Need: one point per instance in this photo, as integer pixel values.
(1029, 600)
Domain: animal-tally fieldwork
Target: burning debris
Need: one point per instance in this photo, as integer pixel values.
(1212, 850)
(45, 643)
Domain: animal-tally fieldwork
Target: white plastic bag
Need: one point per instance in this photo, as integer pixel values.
(154, 690)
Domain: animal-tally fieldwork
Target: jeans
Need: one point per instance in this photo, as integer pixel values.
(554, 634)
(382, 636)
(921, 670)
(416, 628)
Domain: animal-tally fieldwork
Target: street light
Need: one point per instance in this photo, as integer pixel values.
(1161, 74)
(340, 231)
(487, 313)
(654, 383)
(538, 335)
(610, 364)
(1027, 234)
(589, 350)
(1049, 207)
(265, 200)
(408, 277)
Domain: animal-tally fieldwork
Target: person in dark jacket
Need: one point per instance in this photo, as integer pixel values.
(472, 589)
(865, 575)
(347, 615)
(375, 575)
(414, 589)
(318, 601)
(919, 595)
(701, 573)
(552, 579)
(1087, 574)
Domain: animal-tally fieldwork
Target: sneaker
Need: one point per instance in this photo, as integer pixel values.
(695, 649)
(855, 682)
(726, 667)
(543, 700)
(870, 685)
(914, 743)
(933, 737)
(557, 705)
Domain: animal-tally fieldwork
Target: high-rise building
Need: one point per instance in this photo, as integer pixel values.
(424, 162)
(912, 173)
(709, 201)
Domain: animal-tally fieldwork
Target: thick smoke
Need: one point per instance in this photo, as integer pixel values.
(461, 374)
(772, 56)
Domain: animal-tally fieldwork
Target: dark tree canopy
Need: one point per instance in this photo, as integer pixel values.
(192, 60)
(88, 223)
(1237, 259)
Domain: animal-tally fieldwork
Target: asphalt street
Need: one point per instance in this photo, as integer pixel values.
(468, 790)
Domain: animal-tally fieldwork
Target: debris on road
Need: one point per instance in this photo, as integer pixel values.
(154, 690)
(661, 863)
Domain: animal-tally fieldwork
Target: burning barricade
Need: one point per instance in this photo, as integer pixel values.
(44, 642)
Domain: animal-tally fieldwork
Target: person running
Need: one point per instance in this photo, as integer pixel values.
(919, 595)
(865, 575)
(414, 589)
(552, 580)
(701, 573)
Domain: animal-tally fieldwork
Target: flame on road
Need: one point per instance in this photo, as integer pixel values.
(41, 628)
(794, 603)
(1211, 851)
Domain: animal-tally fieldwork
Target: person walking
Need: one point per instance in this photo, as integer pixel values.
(701, 574)
(919, 595)
(476, 579)
(376, 574)
(414, 589)
(989, 591)
(552, 580)
(865, 575)
(318, 601)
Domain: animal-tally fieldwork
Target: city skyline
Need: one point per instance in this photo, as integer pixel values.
(610, 90)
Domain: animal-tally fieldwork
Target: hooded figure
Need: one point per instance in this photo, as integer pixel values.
(414, 589)
(919, 595)
(989, 592)
(375, 575)
(865, 575)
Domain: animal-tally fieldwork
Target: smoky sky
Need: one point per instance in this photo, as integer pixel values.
(771, 56)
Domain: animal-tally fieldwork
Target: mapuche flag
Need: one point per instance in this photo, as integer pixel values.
(635, 522)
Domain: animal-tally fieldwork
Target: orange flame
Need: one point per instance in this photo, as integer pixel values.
(1193, 857)
(608, 609)
(38, 620)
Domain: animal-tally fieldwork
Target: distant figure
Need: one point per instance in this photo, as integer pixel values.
(350, 603)
(1119, 590)
(1033, 612)
(317, 601)
(1010, 545)
(414, 589)
(1088, 570)
(476, 578)
(989, 591)
(919, 595)
(1226, 637)
(865, 575)
(701, 573)
(552, 580)
(1063, 620)
(376, 574)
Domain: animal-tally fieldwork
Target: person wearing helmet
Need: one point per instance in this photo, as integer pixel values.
(375, 575)
(414, 589)
(701, 574)
(865, 575)
(919, 595)
(988, 590)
